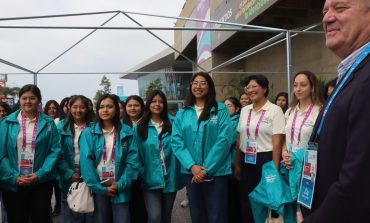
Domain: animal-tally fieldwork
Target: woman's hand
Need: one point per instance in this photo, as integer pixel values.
(286, 158)
(198, 175)
(32, 178)
(23, 181)
(112, 189)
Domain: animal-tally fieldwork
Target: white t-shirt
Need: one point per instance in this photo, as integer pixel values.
(158, 126)
(108, 137)
(198, 110)
(78, 130)
(273, 123)
(306, 129)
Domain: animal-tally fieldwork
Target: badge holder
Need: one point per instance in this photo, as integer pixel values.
(308, 179)
(251, 152)
(108, 173)
(26, 163)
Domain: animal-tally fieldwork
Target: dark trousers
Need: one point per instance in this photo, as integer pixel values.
(31, 203)
(235, 209)
(138, 212)
(58, 196)
(250, 176)
(208, 201)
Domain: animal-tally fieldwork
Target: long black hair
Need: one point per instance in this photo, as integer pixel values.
(116, 121)
(69, 120)
(126, 119)
(62, 104)
(210, 98)
(143, 123)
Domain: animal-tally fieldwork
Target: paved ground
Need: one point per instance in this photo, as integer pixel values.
(179, 214)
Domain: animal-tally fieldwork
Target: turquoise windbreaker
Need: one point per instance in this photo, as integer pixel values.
(207, 145)
(152, 173)
(127, 162)
(234, 135)
(46, 151)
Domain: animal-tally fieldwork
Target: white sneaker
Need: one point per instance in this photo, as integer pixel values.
(184, 203)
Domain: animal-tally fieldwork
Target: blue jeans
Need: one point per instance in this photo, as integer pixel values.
(106, 211)
(208, 201)
(159, 205)
(72, 217)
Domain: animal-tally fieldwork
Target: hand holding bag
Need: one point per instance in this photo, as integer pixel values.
(80, 198)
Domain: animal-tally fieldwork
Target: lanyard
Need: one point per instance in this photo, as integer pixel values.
(340, 86)
(258, 123)
(113, 157)
(161, 154)
(292, 129)
(24, 132)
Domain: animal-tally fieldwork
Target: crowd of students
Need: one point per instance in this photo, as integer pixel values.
(135, 156)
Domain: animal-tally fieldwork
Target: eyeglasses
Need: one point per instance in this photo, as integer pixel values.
(250, 87)
(199, 83)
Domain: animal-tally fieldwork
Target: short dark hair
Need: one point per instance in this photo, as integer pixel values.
(235, 102)
(6, 107)
(261, 80)
(30, 87)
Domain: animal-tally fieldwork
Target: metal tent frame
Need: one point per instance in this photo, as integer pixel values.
(281, 36)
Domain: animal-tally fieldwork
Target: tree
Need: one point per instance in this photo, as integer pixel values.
(12, 91)
(105, 83)
(154, 85)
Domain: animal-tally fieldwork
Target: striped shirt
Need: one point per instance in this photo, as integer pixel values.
(346, 64)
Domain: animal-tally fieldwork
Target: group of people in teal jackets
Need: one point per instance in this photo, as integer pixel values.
(147, 148)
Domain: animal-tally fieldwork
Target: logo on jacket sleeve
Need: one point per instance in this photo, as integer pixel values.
(214, 119)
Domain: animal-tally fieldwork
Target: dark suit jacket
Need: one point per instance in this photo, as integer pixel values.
(342, 191)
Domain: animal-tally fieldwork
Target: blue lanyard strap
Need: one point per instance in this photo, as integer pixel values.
(340, 86)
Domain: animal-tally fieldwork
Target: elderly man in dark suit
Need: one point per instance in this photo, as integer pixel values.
(342, 130)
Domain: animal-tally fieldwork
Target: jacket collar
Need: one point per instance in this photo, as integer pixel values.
(220, 106)
(125, 130)
(42, 120)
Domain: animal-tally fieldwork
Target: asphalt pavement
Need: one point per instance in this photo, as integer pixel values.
(179, 214)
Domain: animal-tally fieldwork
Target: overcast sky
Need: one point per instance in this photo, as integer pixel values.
(104, 51)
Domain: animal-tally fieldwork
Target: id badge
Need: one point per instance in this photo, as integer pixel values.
(294, 148)
(26, 163)
(108, 171)
(161, 153)
(308, 179)
(251, 152)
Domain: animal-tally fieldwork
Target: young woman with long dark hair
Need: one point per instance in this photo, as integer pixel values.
(161, 178)
(70, 129)
(109, 162)
(201, 142)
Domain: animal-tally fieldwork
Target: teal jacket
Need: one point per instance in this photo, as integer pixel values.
(127, 162)
(152, 173)
(207, 145)
(46, 151)
(65, 165)
(234, 135)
